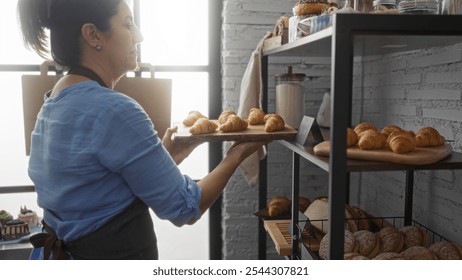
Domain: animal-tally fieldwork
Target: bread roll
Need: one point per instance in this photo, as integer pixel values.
(273, 122)
(429, 137)
(389, 256)
(350, 245)
(371, 139)
(413, 236)
(192, 117)
(418, 253)
(354, 256)
(233, 123)
(256, 116)
(302, 9)
(225, 115)
(392, 240)
(446, 250)
(279, 205)
(202, 126)
(303, 203)
(368, 243)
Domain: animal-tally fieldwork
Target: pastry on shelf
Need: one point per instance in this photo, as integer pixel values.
(256, 116)
(363, 127)
(352, 137)
(274, 122)
(371, 139)
(192, 117)
(401, 142)
(428, 137)
(233, 123)
(389, 129)
(202, 126)
(279, 205)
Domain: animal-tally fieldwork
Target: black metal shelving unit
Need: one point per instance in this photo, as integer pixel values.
(355, 35)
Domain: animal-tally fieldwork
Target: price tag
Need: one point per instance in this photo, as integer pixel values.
(308, 125)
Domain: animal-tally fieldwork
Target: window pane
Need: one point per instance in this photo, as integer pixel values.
(175, 32)
(12, 50)
(189, 92)
(13, 159)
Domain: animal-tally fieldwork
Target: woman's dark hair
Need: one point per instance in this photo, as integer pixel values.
(64, 19)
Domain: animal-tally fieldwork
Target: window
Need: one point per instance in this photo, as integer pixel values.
(177, 43)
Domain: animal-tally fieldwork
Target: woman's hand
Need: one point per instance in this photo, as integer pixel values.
(178, 151)
(245, 149)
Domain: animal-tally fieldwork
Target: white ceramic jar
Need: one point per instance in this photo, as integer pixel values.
(290, 97)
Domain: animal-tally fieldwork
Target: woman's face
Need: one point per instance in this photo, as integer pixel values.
(122, 40)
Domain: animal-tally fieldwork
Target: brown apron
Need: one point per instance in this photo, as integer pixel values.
(128, 235)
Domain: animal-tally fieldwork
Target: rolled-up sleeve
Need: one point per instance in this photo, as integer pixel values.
(132, 149)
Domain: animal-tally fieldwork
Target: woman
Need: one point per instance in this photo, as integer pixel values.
(96, 161)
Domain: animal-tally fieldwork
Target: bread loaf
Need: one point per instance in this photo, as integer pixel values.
(354, 256)
(392, 240)
(368, 243)
(418, 253)
(350, 245)
(303, 203)
(389, 256)
(446, 250)
(413, 236)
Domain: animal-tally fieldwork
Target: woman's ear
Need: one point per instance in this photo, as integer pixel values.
(91, 35)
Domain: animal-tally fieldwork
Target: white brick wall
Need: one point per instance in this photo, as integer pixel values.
(410, 89)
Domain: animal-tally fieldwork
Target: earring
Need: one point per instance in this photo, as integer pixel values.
(98, 47)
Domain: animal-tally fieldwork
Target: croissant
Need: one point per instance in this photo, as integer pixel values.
(428, 137)
(371, 139)
(192, 117)
(225, 115)
(203, 125)
(279, 205)
(401, 142)
(256, 116)
(352, 137)
(274, 122)
(387, 130)
(363, 127)
(233, 123)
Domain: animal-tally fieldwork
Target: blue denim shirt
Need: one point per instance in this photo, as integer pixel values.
(93, 151)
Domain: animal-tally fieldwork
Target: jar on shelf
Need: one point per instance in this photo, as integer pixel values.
(290, 97)
(381, 5)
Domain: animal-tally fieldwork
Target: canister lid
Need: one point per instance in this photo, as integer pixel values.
(289, 76)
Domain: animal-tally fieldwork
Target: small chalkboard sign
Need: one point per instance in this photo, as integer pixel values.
(308, 125)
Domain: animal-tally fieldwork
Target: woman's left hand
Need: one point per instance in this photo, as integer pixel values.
(178, 151)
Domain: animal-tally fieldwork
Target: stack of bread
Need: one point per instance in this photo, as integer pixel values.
(369, 238)
(392, 137)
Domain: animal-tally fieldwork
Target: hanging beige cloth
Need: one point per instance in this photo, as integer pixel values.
(251, 97)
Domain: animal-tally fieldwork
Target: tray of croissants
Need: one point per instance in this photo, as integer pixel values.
(392, 144)
(258, 126)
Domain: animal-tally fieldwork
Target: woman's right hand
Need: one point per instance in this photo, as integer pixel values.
(242, 149)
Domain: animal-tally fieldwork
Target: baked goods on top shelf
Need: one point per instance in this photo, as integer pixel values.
(352, 137)
(310, 7)
(401, 142)
(29, 217)
(273, 122)
(203, 125)
(192, 117)
(361, 127)
(256, 116)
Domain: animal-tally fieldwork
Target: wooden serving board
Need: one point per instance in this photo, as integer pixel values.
(420, 156)
(252, 133)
